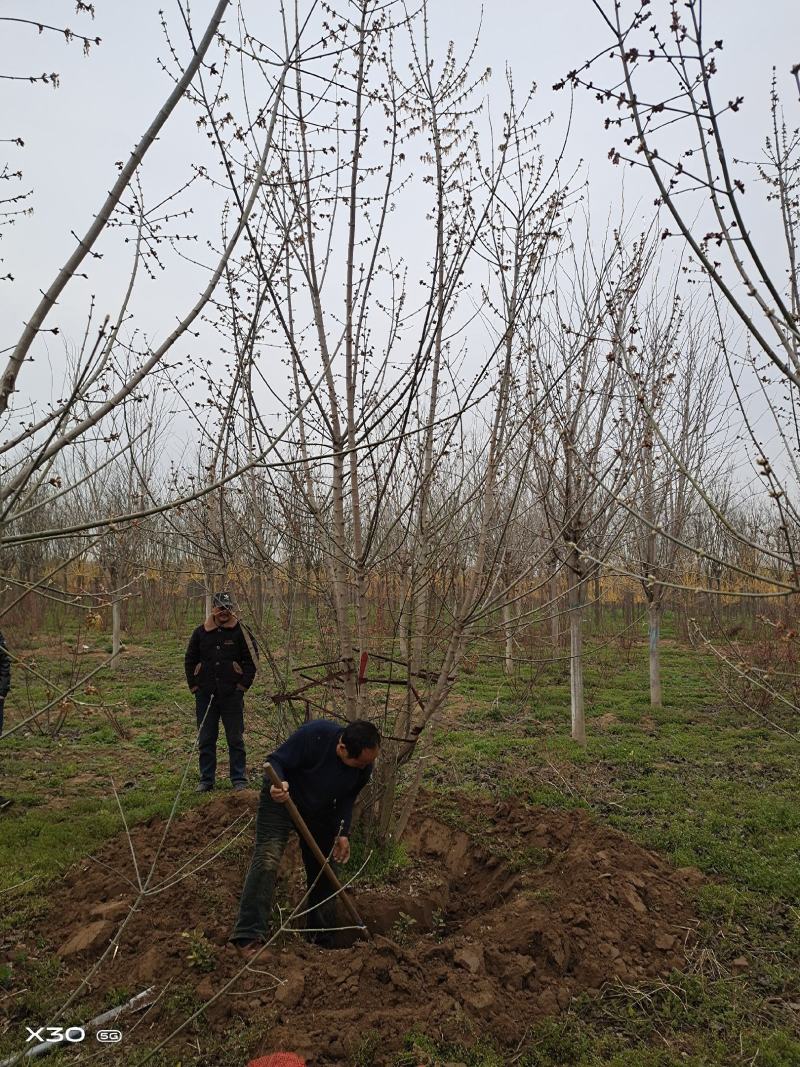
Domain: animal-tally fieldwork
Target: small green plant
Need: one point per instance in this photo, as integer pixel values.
(201, 952)
(402, 928)
(540, 895)
(180, 1003)
(364, 1050)
(439, 924)
(118, 995)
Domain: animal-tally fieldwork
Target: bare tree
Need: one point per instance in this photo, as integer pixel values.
(672, 366)
(678, 130)
(583, 458)
(17, 205)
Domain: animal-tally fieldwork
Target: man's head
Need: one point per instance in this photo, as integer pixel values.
(222, 608)
(359, 744)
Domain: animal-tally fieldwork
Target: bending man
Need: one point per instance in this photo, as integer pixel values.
(324, 768)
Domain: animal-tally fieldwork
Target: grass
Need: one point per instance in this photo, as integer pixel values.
(376, 863)
(684, 778)
(64, 804)
(565, 1043)
(697, 780)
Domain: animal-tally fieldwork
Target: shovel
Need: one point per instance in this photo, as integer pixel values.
(319, 856)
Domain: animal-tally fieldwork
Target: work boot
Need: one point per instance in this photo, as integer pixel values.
(239, 786)
(247, 949)
(204, 787)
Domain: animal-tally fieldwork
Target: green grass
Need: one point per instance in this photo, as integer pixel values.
(697, 780)
(699, 783)
(145, 695)
(376, 863)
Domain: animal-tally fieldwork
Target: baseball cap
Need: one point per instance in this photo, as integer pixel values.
(222, 600)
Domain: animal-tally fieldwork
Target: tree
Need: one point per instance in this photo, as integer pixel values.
(678, 131)
(583, 455)
(672, 366)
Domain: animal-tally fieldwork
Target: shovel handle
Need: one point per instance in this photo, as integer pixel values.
(319, 856)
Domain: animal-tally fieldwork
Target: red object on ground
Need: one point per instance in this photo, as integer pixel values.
(278, 1059)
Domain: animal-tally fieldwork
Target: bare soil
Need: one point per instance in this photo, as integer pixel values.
(478, 937)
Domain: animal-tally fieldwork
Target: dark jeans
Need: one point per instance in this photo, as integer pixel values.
(230, 710)
(273, 826)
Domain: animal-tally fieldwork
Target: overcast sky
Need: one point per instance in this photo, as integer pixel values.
(74, 135)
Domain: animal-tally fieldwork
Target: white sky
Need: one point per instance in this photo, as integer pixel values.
(74, 135)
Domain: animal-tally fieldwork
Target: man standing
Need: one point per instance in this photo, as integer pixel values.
(324, 767)
(5, 677)
(219, 671)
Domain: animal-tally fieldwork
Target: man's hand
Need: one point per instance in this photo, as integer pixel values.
(341, 850)
(280, 796)
(195, 689)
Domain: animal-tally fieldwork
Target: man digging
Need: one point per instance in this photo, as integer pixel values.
(219, 671)
(323, 767)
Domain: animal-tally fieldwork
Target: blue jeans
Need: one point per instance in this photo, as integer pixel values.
(231, 711)
(273, 827)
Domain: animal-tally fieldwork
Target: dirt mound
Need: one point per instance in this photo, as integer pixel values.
(477, 937)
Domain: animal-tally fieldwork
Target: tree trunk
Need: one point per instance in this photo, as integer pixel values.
(576, 664)
(412, 793)
(306, 593)
(508, 628)
(275, 597)
(555, 622)
(258, 594)
(387, 787)
(627, 609)
(338, 565)
(116, 626)
(654, 628)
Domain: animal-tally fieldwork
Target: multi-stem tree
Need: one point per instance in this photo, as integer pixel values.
(671, 364)
(576, 380)
(374, 375)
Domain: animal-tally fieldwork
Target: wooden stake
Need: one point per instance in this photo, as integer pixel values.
(300, 823)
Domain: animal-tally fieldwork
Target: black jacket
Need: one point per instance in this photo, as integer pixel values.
(218, 660)
(5, 669)
(321, 785)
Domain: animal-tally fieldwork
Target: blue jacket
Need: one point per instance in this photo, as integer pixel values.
(319, 783)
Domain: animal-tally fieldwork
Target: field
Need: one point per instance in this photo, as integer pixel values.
(461, 363)
(635, 904)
